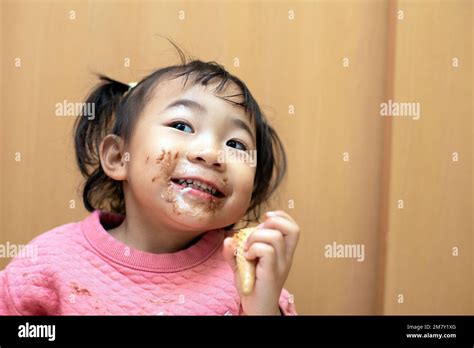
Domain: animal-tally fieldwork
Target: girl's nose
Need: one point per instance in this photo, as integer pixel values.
(208, 156)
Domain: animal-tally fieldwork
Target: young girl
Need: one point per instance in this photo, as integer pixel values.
(170, 168)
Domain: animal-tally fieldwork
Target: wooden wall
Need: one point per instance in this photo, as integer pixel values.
(320, 70)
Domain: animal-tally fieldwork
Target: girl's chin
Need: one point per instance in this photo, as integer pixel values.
(195, 212)
(203, 222)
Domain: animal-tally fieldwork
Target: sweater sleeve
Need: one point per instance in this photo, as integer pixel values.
(6, 305)
(26, 289)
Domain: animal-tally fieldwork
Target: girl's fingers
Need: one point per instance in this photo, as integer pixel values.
(265, 253)
(281, 213)
(289, 229)
(272, 237)
(228, 252)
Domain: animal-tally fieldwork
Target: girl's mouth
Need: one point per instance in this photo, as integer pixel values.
(197, 188)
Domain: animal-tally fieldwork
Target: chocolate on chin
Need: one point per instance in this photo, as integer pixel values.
(245, 267)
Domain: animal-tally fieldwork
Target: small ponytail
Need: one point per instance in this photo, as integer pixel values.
(88, 134)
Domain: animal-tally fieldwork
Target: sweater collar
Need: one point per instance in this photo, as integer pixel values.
(115, 250)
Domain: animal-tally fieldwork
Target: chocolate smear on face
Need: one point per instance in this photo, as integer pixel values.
(179, 203)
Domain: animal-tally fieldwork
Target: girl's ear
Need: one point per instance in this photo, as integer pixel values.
(113, 157)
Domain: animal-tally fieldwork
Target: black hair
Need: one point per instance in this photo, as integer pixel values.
(116, 112)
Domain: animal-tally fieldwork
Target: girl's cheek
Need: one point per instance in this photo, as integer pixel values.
(243, 178)
(162, 165)
(242, 181)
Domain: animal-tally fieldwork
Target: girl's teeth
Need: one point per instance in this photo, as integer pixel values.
(199, 188)
(195, 184)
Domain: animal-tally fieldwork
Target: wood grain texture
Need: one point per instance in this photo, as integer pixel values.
(336, 110)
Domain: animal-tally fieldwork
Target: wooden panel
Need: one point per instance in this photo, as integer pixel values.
(436, 191)
(285, 62)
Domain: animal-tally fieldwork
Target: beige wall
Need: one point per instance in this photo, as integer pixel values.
(437, 191)
(285, 62)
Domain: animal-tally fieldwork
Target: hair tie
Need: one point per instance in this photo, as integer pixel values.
(131, 85)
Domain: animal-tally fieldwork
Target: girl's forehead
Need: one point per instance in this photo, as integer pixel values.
(175, 87)
(172, 90)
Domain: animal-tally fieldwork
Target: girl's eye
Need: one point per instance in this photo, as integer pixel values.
(236, 144)
(184, 127)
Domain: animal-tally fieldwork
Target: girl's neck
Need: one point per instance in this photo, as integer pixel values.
(158, 240)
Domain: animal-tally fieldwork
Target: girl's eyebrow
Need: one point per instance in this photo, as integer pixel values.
(194, 105)
(242, 125)
(191, 104)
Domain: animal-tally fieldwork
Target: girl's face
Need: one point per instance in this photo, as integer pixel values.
(192, 158)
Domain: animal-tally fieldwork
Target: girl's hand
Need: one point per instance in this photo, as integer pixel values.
(273, 244)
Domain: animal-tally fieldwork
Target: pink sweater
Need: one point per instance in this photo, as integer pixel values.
(80, 269)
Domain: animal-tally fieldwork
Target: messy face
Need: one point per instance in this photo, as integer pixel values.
(192, 158)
